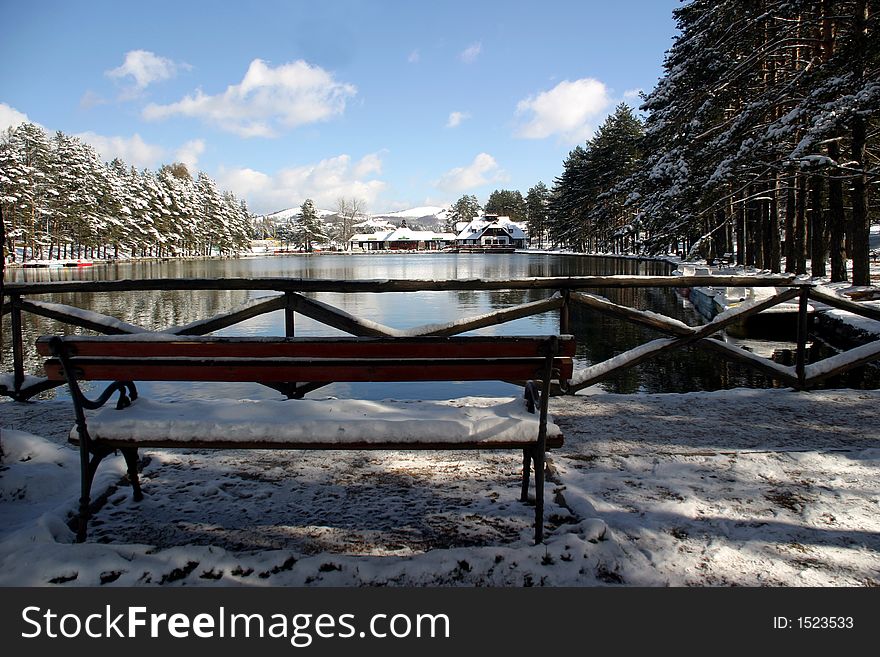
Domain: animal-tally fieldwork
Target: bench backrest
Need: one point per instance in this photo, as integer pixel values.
(183, 358)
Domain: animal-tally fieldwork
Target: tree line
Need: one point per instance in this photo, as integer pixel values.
(757, 141)
(60, 200)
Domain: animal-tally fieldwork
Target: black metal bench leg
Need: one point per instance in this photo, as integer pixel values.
(87, 477)
(130, 455)
(539, 495)
(526, 473)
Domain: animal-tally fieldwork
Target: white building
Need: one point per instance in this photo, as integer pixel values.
(491, 231)
(401, 239)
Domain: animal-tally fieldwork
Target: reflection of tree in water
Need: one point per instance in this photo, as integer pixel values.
(599, 337)
(467, 298)
(687, 369)
(500, 299)
(151, 309)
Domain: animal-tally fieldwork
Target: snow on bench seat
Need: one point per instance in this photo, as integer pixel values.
(302, 423)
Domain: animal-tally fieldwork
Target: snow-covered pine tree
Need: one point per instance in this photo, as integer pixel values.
(591, 207)
(747, 130)
(566, 213)
(12, 176)
(507, 202)
(613, 154)
(537, 207)
(32, 150)
(464, 209)
(309, 229)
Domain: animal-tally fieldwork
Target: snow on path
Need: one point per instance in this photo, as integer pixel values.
(749, 487)
(746, 487)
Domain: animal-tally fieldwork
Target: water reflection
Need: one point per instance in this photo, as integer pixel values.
(599, 337)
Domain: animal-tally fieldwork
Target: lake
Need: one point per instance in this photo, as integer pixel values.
(598, 336)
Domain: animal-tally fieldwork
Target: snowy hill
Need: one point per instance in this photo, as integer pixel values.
(283, 215)
(415, 213)
(427, 216)
(372, 225)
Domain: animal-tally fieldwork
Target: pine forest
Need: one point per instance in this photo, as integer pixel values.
(759, 143)
(59, 200)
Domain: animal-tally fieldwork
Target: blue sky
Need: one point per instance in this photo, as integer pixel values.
(399, 103)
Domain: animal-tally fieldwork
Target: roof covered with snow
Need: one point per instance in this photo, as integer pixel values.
(476, 227)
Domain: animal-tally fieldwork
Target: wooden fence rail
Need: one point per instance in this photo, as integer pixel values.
(564, 293)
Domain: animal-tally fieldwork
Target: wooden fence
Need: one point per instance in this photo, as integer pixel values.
(563, 293)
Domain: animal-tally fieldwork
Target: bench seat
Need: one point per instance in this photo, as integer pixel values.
(319, 424)
(295, 366)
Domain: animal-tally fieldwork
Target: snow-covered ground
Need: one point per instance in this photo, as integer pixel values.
(746, 487)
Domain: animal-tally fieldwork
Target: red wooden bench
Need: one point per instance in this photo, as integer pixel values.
(302, 423)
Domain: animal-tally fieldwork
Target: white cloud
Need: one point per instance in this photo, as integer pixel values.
(247, 183)
(267, 99)
(470, 54)
(482, 171)
(132, 150)
(145, 68)
(90, 99)
(414, 57)
(189, 154)
(367, 165)
(11, 117)
(633, 95)
(568, 110)
(323, 182)
(455, 119)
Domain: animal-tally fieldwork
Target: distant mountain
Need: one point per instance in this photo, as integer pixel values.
(415, 213)
(427, 217)
(372, 225)
(283, 215)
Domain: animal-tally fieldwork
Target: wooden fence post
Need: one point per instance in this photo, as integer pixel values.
(564, 312)
(17, 345)
(289, 307)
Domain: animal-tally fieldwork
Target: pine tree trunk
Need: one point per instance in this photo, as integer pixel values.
(752, 235)
(775, 255)
(801, 226)
(848, 235)
(790, 240)
(860, 190)
(728, 229)
(765, 235)
(741, 234)
(817, 228)
(720, 233)
(860, 223)
(836, 218)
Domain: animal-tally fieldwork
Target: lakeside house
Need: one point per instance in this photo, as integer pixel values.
(401, 239)
(489, 231)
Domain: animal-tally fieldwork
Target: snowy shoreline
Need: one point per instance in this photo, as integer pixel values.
(741, 487)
